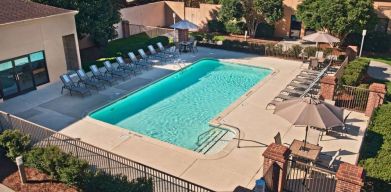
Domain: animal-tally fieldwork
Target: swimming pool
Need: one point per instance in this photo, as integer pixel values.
(178, 108)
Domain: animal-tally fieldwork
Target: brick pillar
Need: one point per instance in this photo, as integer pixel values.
(183, 35)
(351, 52)
(328, 85)
(279, 155)
(376, 97)
(350, 178)
(125, 28)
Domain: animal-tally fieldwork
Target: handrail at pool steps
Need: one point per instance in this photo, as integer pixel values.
(239, 132)
(98, 158)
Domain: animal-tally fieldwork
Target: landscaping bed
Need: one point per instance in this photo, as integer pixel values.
(37, 182)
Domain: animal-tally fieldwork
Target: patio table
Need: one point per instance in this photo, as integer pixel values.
(311, 153)
(185, 45)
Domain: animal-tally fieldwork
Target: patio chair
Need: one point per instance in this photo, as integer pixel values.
(97, 74)
(87, 81)
(328, 161)
(339, 129)
(314, 64)
(137, 62)
(277, 139)
(72, 87)
(319, 54)
(169, 52)
(155, 54)
(193, 48)
(114, 72)
(125, 66)
(147, 58)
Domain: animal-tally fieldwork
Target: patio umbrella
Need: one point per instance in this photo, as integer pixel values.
(184, 24)
(310, 112)
(321, 37)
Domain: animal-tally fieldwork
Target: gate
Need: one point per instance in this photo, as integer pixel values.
(272, 177)
(352, 98)
(302, 177)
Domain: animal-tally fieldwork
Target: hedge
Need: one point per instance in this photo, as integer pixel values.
(121, 47)
(234, 45)
(15, 143)
(375, 154)
(355, 71)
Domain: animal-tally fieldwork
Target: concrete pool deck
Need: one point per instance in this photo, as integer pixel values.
(222, 171)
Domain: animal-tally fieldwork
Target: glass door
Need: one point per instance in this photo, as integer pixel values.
(9, 85)
(24, 75)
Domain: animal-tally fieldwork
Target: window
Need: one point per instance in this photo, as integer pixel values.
(38, 66)
(382, 25)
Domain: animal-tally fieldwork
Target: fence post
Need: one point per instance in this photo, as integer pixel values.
(276, 154)
(377, 92)
(350, 178)
(328, 85)
(108, 161)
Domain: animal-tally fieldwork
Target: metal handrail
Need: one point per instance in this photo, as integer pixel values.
(239, 133)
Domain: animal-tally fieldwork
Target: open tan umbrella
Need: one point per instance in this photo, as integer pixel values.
(321, 37)
(310, 112)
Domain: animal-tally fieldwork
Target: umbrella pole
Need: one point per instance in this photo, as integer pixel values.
(305, 139)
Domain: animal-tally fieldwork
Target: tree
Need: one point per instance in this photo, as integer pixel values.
(338, 17)
(95, 18)
(253, 12)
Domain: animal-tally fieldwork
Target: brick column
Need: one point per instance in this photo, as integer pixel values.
(125, 28)
(350, 178)
(183, 35)
(376, 97)
(276, 154)
(328, 85)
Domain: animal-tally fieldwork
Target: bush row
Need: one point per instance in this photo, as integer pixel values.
(355, 71)
(234, 45)
(296, 51)
(66, 168)
(375, 153)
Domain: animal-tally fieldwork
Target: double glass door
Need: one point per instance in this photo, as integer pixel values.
(17, 76)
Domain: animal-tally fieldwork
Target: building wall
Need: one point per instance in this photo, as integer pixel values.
(26, 37)
(151, 14)
(200, 16)
(383, 10)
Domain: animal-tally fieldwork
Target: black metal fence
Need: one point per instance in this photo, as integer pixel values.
(99, 159)
(353, 98)
(302, 177)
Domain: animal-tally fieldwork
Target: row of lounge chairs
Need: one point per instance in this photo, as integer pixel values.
(307, 82)
(112, 73)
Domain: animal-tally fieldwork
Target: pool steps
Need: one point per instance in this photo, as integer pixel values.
(208, 141)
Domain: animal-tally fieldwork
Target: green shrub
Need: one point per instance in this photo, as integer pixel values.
(310, 51)
(354, 72)
(234, 27)
(58, 165)
(216, 26)
(375, 154)
(101, 181)
(265, 30)
(15, 143)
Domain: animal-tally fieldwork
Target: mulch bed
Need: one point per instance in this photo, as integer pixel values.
(37, 182)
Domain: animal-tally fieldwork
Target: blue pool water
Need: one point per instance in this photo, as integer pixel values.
(178, 108)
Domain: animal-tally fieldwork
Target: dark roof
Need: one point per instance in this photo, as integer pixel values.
(19, 10)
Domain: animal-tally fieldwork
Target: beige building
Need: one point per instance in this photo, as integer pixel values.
(38, 43)
(290, 26)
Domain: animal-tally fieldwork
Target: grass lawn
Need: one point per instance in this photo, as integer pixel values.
(383, 59)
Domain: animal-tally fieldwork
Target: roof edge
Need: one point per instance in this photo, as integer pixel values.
(74, 12)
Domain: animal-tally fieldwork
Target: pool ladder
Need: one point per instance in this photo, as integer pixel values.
(208, 139)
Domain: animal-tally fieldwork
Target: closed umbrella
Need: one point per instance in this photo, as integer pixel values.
(310, 112)
(321, 37)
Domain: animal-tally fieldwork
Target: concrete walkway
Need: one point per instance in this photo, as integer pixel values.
(379, 70)
(222, 171)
